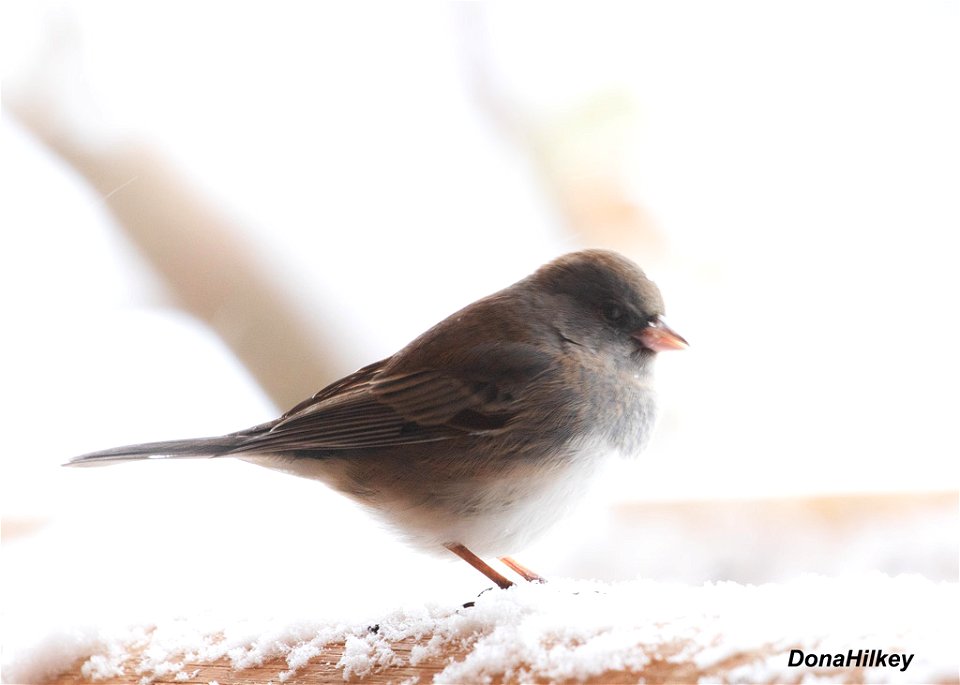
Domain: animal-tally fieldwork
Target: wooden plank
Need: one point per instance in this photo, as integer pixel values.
(667, 667)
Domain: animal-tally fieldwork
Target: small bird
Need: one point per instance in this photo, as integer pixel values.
(482, 432)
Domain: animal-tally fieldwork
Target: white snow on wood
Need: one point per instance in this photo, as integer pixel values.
(561, 630)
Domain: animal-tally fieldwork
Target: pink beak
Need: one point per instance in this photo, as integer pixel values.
(659, 337)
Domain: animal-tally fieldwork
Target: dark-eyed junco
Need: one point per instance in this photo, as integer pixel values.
(480, 433)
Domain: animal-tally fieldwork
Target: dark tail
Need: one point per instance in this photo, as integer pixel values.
(169, 449)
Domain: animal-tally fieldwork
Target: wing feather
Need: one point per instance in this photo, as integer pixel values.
(379, 406)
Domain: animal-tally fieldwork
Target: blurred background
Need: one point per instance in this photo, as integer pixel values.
(211, 210)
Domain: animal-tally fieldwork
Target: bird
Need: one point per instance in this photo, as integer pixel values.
(486, 429)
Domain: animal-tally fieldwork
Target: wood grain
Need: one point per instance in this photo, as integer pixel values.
(324, 669)
(668, 666)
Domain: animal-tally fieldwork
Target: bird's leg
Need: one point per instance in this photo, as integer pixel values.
(523, 571)
(479, 564)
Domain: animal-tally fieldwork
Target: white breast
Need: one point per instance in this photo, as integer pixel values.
(503, 516)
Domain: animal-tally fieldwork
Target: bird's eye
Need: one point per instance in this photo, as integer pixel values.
(612, 312)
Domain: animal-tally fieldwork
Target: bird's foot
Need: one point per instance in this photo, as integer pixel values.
(521, 570)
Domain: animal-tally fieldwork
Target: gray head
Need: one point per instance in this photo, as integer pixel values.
(605, 300)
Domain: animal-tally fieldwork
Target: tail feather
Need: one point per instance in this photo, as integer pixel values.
(168, 449)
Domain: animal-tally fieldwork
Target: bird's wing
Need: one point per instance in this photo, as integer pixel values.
(384, 406)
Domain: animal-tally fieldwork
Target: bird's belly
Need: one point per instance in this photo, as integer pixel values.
(491, 512)
(496, 516)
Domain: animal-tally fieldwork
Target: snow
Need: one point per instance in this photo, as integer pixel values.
(563, 630)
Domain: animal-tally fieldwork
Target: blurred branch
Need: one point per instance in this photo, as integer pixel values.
(197, 250)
